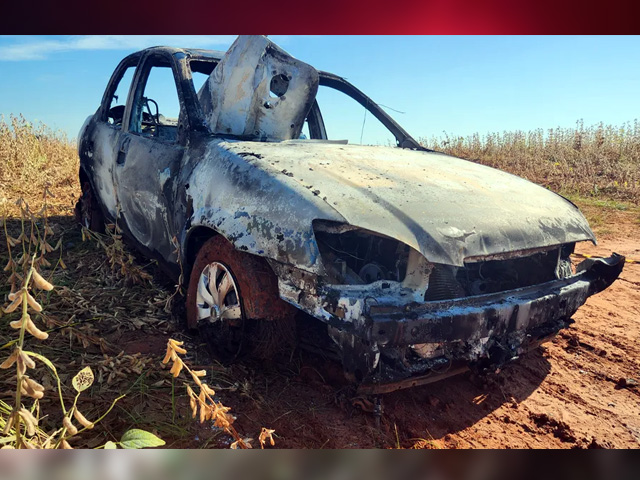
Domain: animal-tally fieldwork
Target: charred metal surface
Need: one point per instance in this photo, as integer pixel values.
(432, 377)
(419, 338)
(416, 261)
(258, 90)
(498, 314)
(444, 207)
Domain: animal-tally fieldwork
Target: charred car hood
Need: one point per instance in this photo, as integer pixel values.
(447, 208)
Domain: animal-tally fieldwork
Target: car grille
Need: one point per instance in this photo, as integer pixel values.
(491, 276)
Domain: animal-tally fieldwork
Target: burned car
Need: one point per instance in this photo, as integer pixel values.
(415, 264)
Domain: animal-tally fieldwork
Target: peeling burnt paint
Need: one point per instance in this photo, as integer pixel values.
(259, 90)
(415, 260)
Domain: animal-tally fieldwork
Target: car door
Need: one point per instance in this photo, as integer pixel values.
(101, 134)
(149, 156)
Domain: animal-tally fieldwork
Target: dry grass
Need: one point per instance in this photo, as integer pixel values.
(32, 157)
(86, 316)
(598, 161)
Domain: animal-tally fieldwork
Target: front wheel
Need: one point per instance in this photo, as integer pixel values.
(229, 293)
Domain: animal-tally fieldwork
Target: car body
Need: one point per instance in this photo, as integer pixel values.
(418, 264)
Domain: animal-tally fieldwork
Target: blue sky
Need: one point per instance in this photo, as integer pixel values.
(460, 85)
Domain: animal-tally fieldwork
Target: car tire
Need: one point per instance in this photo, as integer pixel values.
(87, 211)
(256, 297)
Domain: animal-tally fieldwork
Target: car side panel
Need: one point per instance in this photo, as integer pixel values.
(144, 177)
(98, 152)
(257, 210)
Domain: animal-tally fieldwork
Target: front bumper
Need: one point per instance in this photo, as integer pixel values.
(473, 318)
(483, 331)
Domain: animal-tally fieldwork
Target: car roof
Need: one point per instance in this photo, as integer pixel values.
(197, 53)
(326, 78)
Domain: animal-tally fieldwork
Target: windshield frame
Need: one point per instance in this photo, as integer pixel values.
(207, 63)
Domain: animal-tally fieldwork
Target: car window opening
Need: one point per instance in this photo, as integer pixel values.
(156, 110)
(115, 114)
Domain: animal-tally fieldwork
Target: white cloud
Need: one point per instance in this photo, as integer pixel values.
(38, 48)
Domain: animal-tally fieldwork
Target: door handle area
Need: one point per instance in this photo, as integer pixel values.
(122, 151)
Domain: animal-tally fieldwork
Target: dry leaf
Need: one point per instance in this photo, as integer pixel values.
(83, 380)
(266, 434)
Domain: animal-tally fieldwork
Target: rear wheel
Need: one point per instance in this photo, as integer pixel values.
(87, 211)
(229, 293)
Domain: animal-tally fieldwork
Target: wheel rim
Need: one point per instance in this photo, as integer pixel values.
(86, 218)
(217, 297)
(85, 206)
